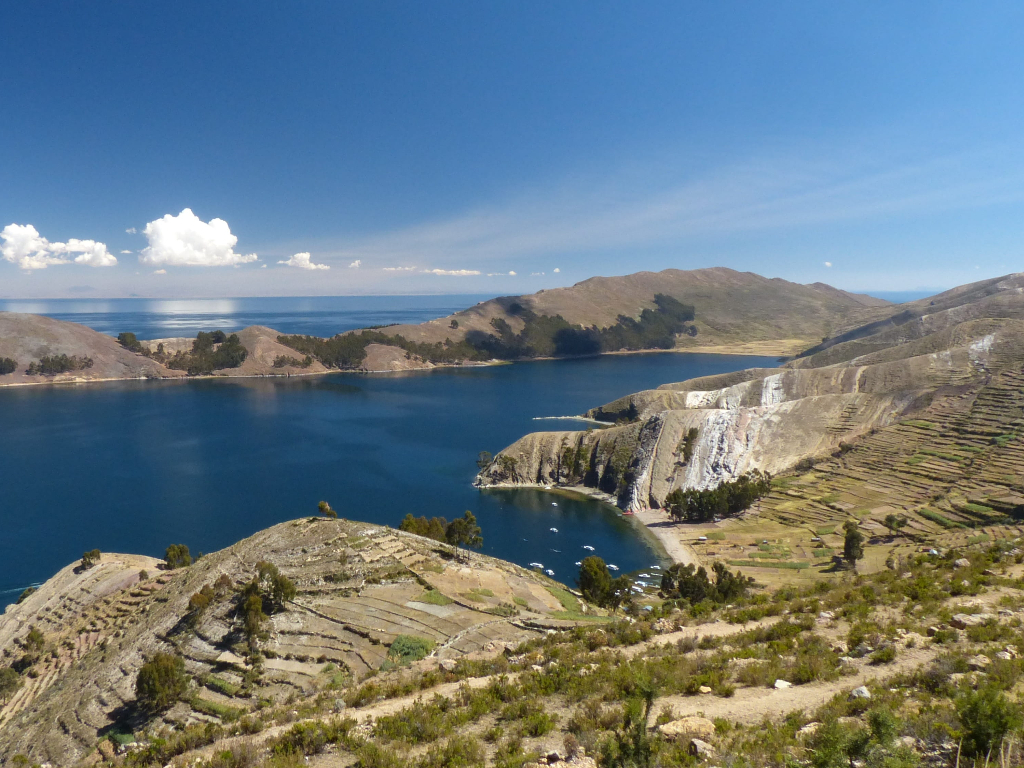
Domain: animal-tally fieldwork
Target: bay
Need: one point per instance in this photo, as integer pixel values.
(135, 466)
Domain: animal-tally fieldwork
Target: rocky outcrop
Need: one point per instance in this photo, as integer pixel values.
(765, 419)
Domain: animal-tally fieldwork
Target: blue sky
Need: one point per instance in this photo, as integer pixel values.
(442, 146)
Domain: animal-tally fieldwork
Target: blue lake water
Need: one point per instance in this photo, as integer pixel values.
(135, 466)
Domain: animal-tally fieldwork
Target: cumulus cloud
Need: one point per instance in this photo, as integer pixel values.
(828, 263)
(453, 272)
(556, 270)
(132, 231)
(24, 246)
(302, 261)
(356, 264)
(127, 251)
(187, 241)
(160, 272)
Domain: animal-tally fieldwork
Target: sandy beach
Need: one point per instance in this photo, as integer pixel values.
(669, 534)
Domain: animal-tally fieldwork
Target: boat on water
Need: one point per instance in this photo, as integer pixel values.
(536, 565)
(554, 530)
(588, 547)
(549, 572)
(612, 567)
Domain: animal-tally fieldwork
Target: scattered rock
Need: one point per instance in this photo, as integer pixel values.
(826, 615)
(962, 562)
(847, 660)
(860, 693)
(809, 730)
(781, 684)
(704, 689)
(862, 650)
(965, 620)
(699, 727)
(448, 665)
(1004, 656)
(701, 749)
(979, 662)
(840, 647)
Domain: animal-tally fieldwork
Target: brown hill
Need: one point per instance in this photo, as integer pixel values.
(732, 308)
(27, 338)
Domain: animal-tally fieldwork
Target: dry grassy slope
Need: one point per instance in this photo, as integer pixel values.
(769, 419)
(103, 623)
(27, 338)
(731, 307)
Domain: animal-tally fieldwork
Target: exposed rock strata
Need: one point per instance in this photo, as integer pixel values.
(769, 419)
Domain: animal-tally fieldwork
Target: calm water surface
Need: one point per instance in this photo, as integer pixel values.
(135, 466)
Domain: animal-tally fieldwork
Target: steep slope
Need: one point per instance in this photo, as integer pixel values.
(771, 419)
(360, 587)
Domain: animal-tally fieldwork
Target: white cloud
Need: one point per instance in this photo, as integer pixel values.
(302, 261)
(24, 246)
(536, 274)
(556, 270)
(160, 272)
(127, 251)
(399, 269)
(828, 263)
(505, 274)
(187, 241)
(132, 231)
(511, 273)
(356, 264)
(452, 272)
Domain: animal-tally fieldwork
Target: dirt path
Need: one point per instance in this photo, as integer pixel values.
(747, 705)
(751, 705)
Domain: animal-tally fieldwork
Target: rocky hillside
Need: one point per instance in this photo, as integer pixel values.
(28, 339)
(740, 310)
(770, 419)
(360, 588)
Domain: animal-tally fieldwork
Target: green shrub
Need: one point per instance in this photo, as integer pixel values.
(161, 682)
(408, 648)
(986, 716)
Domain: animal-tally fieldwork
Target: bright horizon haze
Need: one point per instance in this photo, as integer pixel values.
(313, 149)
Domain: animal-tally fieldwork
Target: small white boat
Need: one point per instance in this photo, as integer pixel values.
(578, 563)
(549, 572)
(612, 567)
(536, 565)
(554, 530)
(655, 567)
(554, 503)
(588, 547)
(702, 538)
(645, 575)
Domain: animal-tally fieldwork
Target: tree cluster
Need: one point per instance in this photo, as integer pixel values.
(460, 532)
(685, 582)
(287, 361)
(10, 682)
(7, 365)
(201, 600)
(728, 498)
(177, 556)
(129, 341)
(51, 365)
(265, 594)
(161, 682)
(325, 509)
(210, 352)
(853, 543)
(598, 586)
(90, 558)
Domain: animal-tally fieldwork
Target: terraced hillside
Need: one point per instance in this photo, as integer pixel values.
(920, 415)
(359, 589)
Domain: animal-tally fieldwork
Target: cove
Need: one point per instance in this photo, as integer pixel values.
(135, 466)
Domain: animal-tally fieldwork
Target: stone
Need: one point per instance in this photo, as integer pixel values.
(979, 662)
(448, 665)
(782, 684)
(704, 689)
(847, 660)
(862, 650)
(962, 562)
(1004, 656)
(965, 620)
(809, 730)
(860, 693)
(840, 647)
(826, 615)
(693, 726)
(701, 749)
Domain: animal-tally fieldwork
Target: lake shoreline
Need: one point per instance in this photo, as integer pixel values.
(649, 523)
